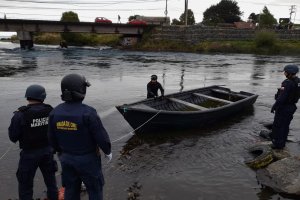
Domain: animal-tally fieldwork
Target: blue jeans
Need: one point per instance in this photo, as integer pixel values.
(30, 160)
(82, 168)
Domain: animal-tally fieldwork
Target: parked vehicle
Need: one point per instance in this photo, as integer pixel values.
(103, 20)
(155, 20)
(137, 22)
(189, 109)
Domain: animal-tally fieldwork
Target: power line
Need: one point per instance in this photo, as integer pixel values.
(266, 4)
(82, 3)
(86, 9)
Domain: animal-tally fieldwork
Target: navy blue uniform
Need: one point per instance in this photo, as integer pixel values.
(152, 89)
(285, 107)
(76, 131)
(29, 126)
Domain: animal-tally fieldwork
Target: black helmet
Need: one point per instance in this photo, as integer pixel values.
(73, 87)
(35, 92)
(153, 77)
(291, 69)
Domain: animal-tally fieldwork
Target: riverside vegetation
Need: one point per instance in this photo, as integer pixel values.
(264, 42)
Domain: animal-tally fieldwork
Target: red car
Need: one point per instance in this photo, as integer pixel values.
(102, 20)
(137, 22)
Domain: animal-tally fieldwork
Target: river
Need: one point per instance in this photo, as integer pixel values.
(204, 164)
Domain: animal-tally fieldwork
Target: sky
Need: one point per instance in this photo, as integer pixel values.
(88, 10)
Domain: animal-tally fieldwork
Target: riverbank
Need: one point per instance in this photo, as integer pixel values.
(79, 39)
(264, 43)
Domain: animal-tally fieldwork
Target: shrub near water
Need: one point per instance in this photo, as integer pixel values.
(47, 38)
(265, 39)
(266, 43)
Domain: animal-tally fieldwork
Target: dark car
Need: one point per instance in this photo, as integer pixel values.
(137, 22)
(103, 20)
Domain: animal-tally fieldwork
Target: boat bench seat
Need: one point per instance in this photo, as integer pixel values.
(212, 98)
(143, 106)
(229, 93)
(191, 105)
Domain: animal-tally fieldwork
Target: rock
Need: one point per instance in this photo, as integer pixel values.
(283, 176)
(280, 154)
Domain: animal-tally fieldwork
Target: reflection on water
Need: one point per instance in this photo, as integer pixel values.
(202, 163)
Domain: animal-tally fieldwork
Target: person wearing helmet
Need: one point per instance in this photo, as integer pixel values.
(152, 88)
(29, 126)
(76, 133)
(285, 106)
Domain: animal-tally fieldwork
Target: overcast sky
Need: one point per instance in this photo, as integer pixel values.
(87, 10)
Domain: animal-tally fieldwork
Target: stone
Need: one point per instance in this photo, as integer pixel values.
(283, 176)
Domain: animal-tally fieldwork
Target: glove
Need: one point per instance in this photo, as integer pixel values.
(109, 157)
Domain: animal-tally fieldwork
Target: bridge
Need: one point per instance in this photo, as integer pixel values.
(25, 28)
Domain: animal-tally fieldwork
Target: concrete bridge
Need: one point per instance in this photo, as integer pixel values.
(25, 28)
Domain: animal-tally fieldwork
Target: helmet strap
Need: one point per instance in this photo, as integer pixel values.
(66, 95)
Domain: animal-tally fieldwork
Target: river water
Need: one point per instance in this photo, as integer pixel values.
(204, 164)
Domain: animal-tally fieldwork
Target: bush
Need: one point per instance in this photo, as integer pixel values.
(47, 38)
(265, 39)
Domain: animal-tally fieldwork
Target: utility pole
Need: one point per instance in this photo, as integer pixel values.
(292, 10)
(166, 11)
(186, 11)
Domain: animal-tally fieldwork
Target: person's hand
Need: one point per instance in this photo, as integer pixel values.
(108, 157)
(272, 109)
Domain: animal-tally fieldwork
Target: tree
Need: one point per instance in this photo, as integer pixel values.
(181, 21)
(71, 38)
(176, 22)
(254, 18)
(190, 17)
(266, 19)
(69, 17)
(226, 11)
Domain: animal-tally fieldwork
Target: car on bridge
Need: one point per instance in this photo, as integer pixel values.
(137, 22)
(102, 20)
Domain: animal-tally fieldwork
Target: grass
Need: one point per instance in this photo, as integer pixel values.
(84, 39)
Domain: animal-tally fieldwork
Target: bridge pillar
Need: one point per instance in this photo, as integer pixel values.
(26, 40)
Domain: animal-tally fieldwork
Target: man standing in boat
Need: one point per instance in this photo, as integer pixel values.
(29, 126)
(152, 88)
(285, 106)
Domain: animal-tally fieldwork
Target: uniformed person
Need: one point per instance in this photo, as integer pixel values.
(77, 133)
(152, 88)
(29, 126)
(285, 106)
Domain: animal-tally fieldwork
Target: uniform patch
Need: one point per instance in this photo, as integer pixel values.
(39, 122)
(66, 125)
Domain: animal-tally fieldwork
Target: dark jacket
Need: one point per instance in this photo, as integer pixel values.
(152, 89)
(29, 126)
(287, 94)
(76, 128)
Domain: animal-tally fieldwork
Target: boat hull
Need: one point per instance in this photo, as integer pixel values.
(147, 120)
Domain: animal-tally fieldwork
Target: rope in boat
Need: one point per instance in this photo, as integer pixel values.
(131, 132)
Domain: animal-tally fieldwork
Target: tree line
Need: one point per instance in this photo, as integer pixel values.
(227, 11)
